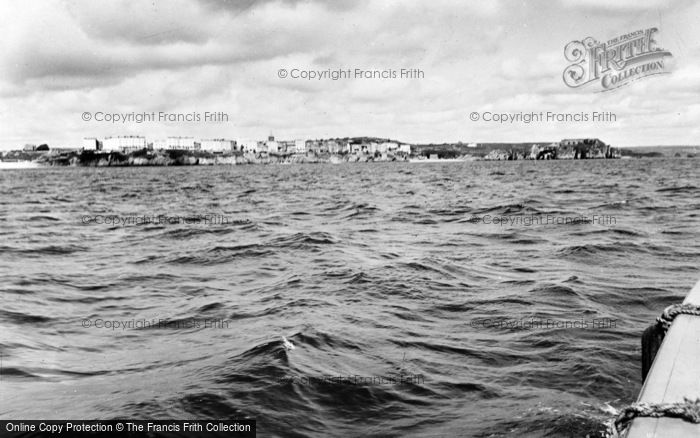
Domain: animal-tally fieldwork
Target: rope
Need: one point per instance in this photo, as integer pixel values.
(687, 410)
(670, 313)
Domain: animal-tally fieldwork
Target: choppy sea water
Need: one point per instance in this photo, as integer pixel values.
(411, 312)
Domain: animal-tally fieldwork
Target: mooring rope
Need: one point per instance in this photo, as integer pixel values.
(654, 335)
(670, 313)
(688, 410)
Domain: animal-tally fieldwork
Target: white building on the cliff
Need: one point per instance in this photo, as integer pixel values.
(285, 146)
(125, 143)
(272, 146)
(299, 146)
(388, 146)
(176, 143)
(218, 145)
(247, 145)
(91, 144)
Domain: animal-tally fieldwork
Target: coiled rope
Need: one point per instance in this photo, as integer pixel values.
(670, 313)
(654, 335)
(688, 410)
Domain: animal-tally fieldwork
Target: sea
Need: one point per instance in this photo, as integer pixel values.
(470, 299)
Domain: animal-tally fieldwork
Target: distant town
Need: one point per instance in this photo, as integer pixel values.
(137, 150)
(134, 150)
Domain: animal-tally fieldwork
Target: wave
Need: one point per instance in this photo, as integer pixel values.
(49, 250)
(22, 318)
(369, 271)
(680, 189)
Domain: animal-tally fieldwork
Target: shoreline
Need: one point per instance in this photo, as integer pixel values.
(197, 158)
(19, 165)
(161, 158)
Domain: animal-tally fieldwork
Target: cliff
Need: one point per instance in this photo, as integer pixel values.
(189, 158)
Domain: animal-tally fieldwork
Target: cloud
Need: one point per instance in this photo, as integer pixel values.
(149, 23)
(83, 40)
(64, 57)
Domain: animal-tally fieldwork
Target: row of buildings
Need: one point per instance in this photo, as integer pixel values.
(579, 148)
(130, 143)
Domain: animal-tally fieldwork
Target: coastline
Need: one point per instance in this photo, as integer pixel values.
(149, 157)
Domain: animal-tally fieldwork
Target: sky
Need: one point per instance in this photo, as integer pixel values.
(62, 59)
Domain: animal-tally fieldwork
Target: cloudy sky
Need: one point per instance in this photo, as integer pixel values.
(63, 58)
